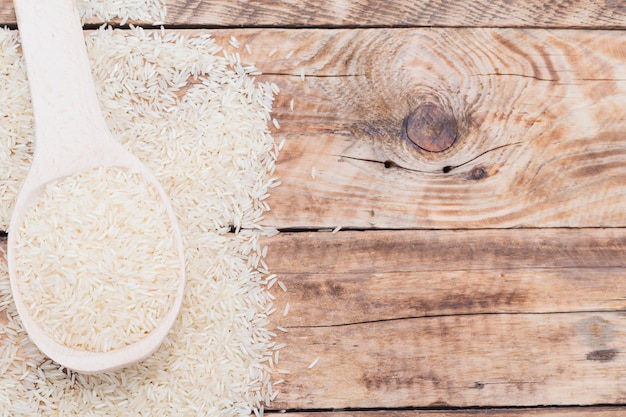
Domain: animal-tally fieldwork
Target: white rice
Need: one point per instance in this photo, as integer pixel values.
(96, 259)
(107, 10)
(290, 54)
(315, 362)
(200, 122)
(234, 42)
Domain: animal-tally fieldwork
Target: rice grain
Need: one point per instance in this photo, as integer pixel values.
(315, 362)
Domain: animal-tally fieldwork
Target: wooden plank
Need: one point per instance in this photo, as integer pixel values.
(457, 361)
(487, 318)
(499, 13)
(354, 277)
(525, 412)
(537, 116)
(579, 13)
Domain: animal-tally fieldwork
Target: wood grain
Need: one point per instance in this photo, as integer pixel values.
(354, 277)
(451, 318)
(539, 118)
(538, 115)
(293, 13)
(457, 361)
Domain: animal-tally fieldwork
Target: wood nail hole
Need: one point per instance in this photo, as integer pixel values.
(431, 128)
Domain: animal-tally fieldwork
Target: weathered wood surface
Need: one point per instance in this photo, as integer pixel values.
(538, 116)
(451, 319)
(343, 278)
(294, 13)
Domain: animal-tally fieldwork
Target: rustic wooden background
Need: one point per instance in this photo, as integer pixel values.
(474, 154)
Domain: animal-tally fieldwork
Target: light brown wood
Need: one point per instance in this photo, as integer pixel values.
(355, 277)
(457, 361)
(578, 13)
(451, 318)
(538, 115)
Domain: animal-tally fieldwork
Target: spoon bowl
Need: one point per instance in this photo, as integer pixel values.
(72, 137)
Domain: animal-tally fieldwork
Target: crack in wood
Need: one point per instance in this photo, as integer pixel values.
(449, 168)
(446, 169)
(554, 80)
(534, 77)
(387, 164)
(437, 316)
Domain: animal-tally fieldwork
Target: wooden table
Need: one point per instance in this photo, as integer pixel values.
(474, 154)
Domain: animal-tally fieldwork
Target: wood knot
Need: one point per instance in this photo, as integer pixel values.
(604, 355)
(477, 173)
(431, 128)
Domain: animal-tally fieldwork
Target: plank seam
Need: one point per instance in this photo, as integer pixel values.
(326, 229)
(450, 408)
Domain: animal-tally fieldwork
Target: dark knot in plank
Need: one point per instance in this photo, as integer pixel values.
(431, 128)
(604, 355)
(477, 173)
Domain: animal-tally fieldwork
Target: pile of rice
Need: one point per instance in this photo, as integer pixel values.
(106, 10)
(198, 119)
(96, 259)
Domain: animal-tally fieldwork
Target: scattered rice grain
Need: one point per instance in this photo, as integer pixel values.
(234, 42)
(312, 364)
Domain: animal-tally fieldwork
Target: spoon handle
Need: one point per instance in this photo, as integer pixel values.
(65, 104)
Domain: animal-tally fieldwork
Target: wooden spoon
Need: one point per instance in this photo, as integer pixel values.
(71, 137)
